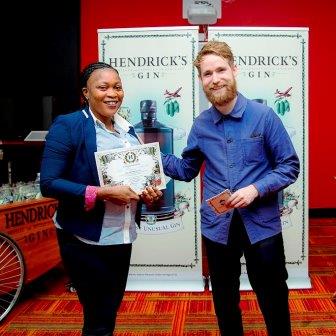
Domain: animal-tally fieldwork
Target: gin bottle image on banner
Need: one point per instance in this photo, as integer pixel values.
(151, 130)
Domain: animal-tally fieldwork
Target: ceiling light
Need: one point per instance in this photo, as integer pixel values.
(202, 12)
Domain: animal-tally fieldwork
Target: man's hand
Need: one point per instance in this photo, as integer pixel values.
(243, 197)
(151, 194)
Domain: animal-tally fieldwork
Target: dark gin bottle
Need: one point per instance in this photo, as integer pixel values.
(151, 130)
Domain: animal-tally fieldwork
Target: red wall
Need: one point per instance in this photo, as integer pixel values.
(318, 16)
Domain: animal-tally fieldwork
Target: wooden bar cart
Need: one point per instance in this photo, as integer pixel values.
(28, 247)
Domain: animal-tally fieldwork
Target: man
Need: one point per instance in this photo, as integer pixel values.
(247, 150)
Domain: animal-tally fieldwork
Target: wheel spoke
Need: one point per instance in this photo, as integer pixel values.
(11, 274)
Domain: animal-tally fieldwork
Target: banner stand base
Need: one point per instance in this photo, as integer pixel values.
(165, 286)
(292, 283)
(299, 283)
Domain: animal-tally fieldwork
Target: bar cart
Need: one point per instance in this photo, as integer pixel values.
(28, 244)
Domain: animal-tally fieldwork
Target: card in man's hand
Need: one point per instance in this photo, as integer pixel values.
(218, 202)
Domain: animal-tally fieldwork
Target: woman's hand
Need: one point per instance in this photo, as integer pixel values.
(151, 194)
(117, 194)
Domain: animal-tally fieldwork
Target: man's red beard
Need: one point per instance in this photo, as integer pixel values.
(224, 98)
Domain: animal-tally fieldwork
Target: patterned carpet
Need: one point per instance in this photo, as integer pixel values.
(46, 308)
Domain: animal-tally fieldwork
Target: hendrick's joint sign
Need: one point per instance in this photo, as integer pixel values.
(32, 214)
(28, 222)
(30, 226)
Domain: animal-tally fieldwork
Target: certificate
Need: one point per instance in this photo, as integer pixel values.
(135, 166)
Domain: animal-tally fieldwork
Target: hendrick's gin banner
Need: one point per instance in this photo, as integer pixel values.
(161, 100)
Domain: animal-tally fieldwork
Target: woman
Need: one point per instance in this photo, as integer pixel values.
(95, 225)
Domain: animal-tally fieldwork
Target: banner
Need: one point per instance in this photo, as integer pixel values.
(273, 68)
(161, 101)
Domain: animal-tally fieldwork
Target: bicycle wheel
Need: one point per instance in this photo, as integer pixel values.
(12, 271)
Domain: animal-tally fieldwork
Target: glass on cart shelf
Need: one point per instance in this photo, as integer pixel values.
(20, 191)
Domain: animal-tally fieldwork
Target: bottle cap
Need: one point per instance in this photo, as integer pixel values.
(148, 109)
(260, 100)
(148, 106)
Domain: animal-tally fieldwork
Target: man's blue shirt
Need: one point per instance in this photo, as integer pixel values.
(248, 146)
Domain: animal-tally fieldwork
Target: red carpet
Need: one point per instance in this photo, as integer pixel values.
(47, 309)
